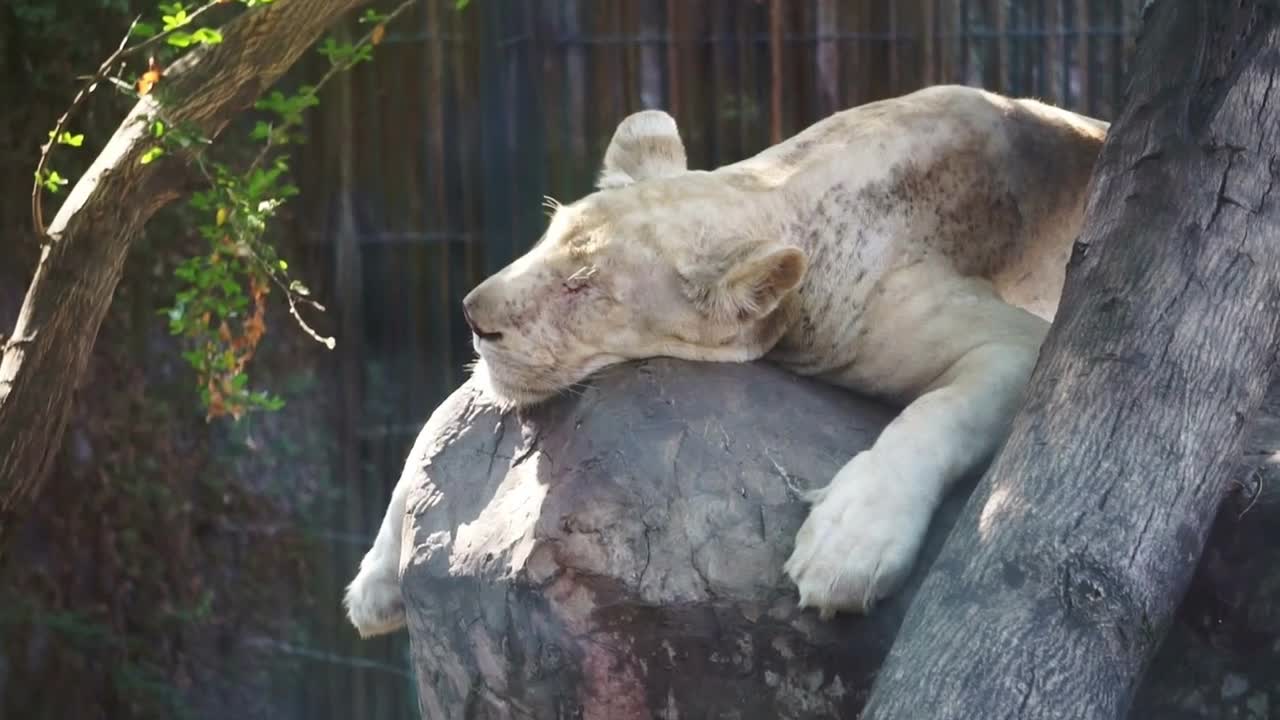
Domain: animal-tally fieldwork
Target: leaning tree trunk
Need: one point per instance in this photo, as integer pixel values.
(90, 237)
(1061, 576)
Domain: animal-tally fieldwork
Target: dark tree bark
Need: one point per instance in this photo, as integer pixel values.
(89, 239)
(1060, 578)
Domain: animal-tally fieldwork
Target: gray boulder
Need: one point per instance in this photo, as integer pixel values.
(617, 553)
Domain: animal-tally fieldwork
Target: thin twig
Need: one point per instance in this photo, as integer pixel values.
(366, 40)
(262, 154)
(294, 298)
(337, 68)
(104, 71)
(37, 211)
(1257, 491)
(328, 342)
(311, 654)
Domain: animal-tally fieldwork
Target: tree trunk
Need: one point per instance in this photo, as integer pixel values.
(1060, 578)
(90, 237)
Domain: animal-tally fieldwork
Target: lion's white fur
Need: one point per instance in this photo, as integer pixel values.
(912, 248)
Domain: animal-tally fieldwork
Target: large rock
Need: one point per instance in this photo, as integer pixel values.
(617, 554)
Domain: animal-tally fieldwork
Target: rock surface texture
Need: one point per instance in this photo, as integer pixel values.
(617, 554)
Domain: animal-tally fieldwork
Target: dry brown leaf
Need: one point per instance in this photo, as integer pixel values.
(150, 78)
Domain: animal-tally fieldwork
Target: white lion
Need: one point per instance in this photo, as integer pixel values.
(912, 249)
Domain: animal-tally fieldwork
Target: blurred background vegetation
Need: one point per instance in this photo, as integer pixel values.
(177, 568)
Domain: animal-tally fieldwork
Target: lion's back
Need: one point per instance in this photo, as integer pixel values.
(993, 185)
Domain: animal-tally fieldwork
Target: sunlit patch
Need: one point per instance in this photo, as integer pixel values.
(992, 511)
(503, 533)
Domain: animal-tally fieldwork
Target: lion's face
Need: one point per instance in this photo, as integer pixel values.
(647, 266)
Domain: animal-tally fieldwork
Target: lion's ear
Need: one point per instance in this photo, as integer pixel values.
(752, 287)
(645, 145)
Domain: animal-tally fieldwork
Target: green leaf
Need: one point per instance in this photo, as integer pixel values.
(337, 53)
(461, 4)
(66, 138)
(272, 101)
(157, 128)
(177, 320)
(52, 181)
(144, 30)
(180, 39)
(175, 20)
(203, 200)
(149, 156)
(207, 36)
(183, 139)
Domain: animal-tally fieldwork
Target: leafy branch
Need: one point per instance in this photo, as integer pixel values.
(220, 306)
(50, 180)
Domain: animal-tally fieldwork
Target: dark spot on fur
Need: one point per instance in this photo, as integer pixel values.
(973, 199)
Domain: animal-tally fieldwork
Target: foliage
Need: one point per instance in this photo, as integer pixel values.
(220, 309)
(134, 566)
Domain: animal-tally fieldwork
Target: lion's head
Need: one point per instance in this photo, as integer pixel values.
(659, 261)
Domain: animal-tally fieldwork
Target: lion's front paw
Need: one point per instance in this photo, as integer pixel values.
(373, 601)
(860, 539)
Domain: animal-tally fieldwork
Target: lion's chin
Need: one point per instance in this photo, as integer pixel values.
(506, 393)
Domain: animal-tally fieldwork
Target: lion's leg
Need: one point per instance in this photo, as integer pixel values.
(865, 528)
(373, 600)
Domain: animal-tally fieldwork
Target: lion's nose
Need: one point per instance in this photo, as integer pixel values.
(472, 307)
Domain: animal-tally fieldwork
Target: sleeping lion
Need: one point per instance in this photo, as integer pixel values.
(911, 249)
